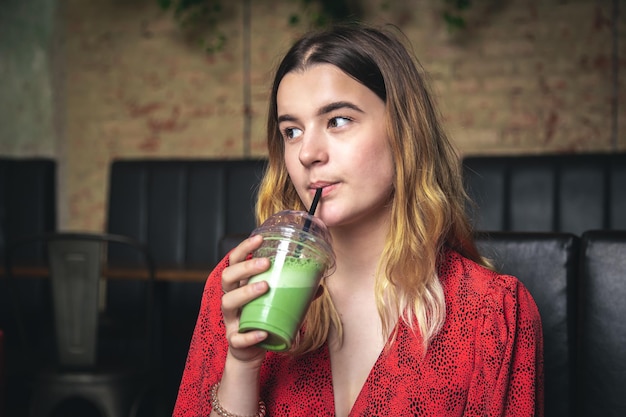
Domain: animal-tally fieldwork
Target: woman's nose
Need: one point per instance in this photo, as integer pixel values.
(313, 150)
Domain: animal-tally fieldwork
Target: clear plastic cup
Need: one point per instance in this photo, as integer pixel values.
(298, 246)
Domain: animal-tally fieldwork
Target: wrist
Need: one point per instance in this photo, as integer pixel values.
(243, 368)
(222, 412)
(237, 394)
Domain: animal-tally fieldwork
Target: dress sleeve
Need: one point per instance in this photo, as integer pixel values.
(508, 373)
(207, 352)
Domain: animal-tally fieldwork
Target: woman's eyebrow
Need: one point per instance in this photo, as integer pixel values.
(286, 118)
(336, 106)
(328, 108)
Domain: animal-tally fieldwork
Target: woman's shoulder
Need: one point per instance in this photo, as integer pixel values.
(498, 308)
(468, 282)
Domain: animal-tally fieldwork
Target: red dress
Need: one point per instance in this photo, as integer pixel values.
(486, 361)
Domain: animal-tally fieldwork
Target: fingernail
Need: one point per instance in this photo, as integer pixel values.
(258, 286)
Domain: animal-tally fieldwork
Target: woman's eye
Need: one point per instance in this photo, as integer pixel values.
(292, 133)
(338, 121)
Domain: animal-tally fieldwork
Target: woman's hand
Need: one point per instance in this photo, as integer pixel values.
(238, 292)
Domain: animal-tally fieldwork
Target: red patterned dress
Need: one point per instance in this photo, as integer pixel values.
(486, 361)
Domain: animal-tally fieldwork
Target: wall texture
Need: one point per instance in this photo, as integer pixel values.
(526, 76)
(27, 93)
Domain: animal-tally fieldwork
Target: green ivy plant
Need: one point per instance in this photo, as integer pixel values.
(199, 18)
(324, 12)
(453, 14)
(199, 21)
(321, 13)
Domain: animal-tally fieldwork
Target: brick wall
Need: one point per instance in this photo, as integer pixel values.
(532, 76)
(525, 76)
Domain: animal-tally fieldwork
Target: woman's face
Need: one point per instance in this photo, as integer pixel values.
(334, 134)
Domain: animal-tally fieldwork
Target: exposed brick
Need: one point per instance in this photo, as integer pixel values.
(484, 67)
(506, 48)
(527, 76)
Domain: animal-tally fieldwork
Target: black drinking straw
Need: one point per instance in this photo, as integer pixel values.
(316, 199)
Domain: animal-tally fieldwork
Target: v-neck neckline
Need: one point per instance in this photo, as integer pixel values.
(382, 355)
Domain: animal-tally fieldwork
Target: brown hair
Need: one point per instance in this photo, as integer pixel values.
(428, 205)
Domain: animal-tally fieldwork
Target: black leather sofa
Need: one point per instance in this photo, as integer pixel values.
(183, 208)
(27, 201)
(602, 325)
(27, 207)
(185, 211)
(582, 199)
(154, 200)
(548, 265)
(190, 212)
(579, 285)
(568, 193)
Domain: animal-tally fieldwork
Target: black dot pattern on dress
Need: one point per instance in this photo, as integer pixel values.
(486, 361)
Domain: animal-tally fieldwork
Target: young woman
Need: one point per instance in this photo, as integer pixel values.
(412, 322)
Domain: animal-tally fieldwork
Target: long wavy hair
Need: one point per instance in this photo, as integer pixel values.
(428, 203)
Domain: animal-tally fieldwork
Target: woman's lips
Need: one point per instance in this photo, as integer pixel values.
(326, 187)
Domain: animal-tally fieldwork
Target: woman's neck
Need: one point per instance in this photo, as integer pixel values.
(358, 248)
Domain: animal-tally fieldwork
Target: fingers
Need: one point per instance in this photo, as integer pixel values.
(235, 278)
(244, 340)
(242, 250)
(237, 292)
(241, 269)
(237, 275)
(232, 302)
(242, 345)
(235, 299)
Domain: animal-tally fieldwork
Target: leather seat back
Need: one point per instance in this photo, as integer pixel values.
(27, 202)
(559, 193)
(602, 303)
(182, 208)
(547, 264)
(27, 208)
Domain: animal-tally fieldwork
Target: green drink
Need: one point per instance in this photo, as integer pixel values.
(299, 256)
(293, 284)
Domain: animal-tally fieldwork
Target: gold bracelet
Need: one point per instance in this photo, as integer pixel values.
(217, 407)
